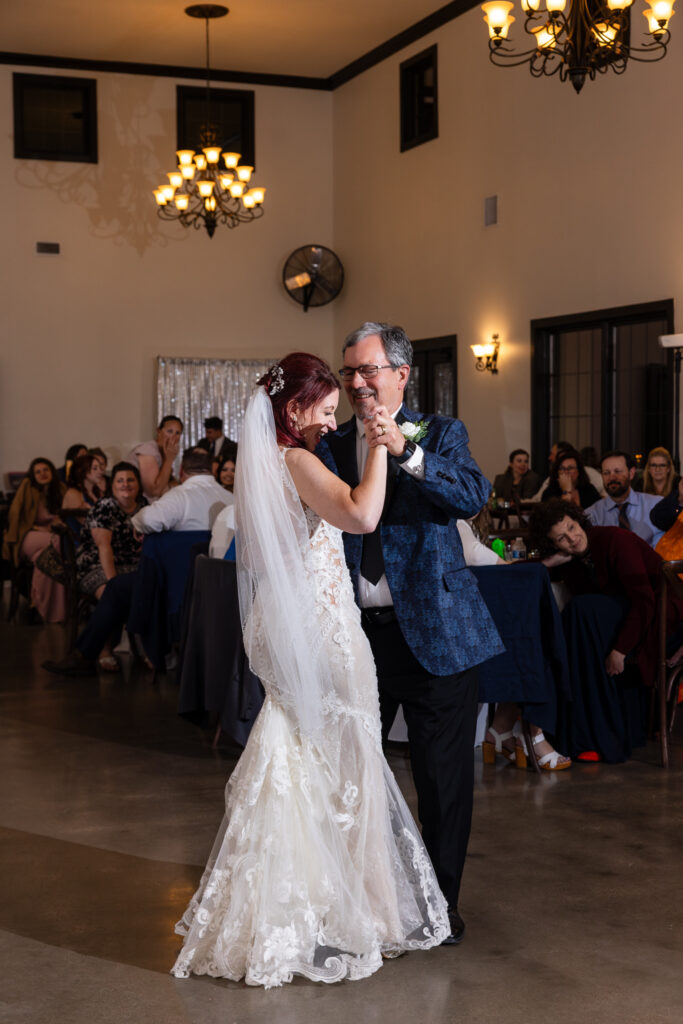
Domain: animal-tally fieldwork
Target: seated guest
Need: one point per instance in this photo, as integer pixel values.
(569, 481)
(215, 441)
(518, 482)
(665, 513)
(224, 470)
(558, 448)
(589, 457)
(154, 459)
(503, 737)
(72, 453)
(35, 507)
(108, 544)
(87, 482)
(623, 506)
(659, 475)
(107, 561)
(610, 626)
(193, 505)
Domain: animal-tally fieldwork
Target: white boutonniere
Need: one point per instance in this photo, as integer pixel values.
(414, 431)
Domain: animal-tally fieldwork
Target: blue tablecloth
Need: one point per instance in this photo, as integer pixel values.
(533, 670)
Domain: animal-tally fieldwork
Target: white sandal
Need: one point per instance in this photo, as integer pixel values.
(489, 750)
(553, 761)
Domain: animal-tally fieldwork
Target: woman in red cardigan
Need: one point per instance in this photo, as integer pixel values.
(610, 625)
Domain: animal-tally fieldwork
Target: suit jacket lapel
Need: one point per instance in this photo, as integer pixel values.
(342, 444)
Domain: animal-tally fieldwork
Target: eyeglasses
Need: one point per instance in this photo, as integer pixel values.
(659, 465)
(367, 371)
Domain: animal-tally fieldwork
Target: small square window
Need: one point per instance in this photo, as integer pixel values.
(55, 118)
(419, 107)
(230, 116)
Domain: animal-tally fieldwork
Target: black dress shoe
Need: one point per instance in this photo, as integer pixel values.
(73, 664)
(457, 929)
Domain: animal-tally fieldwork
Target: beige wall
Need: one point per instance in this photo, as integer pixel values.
(590, 210)
(80, 332)
(590, 216)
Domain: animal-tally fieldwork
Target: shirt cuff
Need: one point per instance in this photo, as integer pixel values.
(415, 465)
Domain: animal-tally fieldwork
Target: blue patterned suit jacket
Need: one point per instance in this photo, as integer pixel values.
(437, 602)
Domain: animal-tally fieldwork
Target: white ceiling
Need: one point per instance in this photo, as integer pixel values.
(292, 37)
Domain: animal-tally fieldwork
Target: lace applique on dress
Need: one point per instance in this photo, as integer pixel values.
(318, 868)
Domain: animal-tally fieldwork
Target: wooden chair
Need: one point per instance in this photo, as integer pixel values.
(666, 687)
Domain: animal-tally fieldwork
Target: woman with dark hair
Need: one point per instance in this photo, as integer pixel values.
(569, 481)
(34, 509)
(154, 459)
(518, 482)
(318, 868)
(610, 625)
(72, 453)
(87, 482)
(225, 467)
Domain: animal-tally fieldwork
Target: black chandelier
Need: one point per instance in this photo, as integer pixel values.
(201, 193)
(587, 38)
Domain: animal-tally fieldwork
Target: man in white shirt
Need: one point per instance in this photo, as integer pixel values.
(194, 505)
(623, 506)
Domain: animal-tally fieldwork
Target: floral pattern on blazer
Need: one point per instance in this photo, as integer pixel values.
(440, 611)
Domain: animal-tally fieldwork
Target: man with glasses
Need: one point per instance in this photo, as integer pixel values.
(623, 506)
(421, 609)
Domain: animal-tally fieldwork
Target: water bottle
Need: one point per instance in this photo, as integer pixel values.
(518, 549)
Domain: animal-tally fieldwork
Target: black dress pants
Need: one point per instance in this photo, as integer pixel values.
(441, 716)
(109, 616)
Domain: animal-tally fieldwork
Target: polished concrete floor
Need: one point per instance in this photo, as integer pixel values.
(108, 808)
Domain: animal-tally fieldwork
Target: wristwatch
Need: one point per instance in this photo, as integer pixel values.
(409, 450)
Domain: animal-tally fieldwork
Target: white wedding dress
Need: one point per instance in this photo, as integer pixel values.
(318, 868)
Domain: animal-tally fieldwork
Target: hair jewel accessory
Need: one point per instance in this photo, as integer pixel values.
(277, 379)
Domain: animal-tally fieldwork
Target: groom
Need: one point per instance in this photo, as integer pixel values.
(426, 621)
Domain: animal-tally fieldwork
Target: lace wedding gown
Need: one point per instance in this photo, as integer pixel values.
(318, 868)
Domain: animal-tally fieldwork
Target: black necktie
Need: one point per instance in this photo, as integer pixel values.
(372, 559)
(623, 517)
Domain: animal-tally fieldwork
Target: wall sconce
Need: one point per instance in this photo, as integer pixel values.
(487, 355)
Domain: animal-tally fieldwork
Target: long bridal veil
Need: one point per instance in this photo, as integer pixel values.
(282, 637)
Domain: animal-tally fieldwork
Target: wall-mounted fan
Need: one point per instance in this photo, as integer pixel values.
(313, 276)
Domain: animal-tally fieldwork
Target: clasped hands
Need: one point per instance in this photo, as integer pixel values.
(381, 429)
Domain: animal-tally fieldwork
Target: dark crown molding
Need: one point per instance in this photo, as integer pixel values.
(357, 67)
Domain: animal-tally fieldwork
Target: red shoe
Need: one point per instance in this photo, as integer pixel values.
(588, 755)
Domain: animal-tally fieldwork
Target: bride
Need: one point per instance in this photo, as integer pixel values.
(318, 868)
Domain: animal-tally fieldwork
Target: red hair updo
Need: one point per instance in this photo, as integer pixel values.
(301, 378)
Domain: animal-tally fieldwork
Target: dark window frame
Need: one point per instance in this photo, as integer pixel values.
(542, 332)
(409, 70)
(21, 86)
(428, 353)
(246, 101)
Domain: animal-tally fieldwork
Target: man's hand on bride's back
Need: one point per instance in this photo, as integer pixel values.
(381, 429)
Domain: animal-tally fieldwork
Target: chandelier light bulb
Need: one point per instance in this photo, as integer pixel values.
(533, 5)
(555, 6)
(236, 189)
(182, 201)
(496, 14)
(244, 172)
(226, 180)
(187, 171)
(663, 10)
(175, 178)
(205, 188)
(619, 5)
(545, 37)
(159, 196)
(259, 194)
(200, 162)
(185, 157)
(213, 154)
(249, 201)
(232, 160)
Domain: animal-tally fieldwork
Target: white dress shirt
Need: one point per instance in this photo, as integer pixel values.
(193, 505)
(378, 595)
(223, 531)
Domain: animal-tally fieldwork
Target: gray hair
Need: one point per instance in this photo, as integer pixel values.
(395, 341)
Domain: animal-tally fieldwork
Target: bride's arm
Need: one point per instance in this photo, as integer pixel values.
(354, 511)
